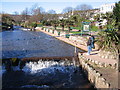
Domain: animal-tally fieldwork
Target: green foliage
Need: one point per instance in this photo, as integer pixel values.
(46, 23)
(39, 25)
(7, 22)
(33, 24)
(7, 19)
(116, 13)
(55, 23)
(78, 28)
(108, 39)
(94, 28)
(6, 26)
(15, 61)
(77, 20)
(76, 32)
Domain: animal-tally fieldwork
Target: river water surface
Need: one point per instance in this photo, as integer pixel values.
(19, 44)
(43, 73)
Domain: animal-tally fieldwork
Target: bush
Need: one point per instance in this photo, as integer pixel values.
(6, 26)
(108, 39)
(33, 24)
(39, 25)
(94, 28)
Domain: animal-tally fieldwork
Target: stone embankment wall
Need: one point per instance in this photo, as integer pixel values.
(81, 40)
(108, 54)
(55, 32)
(93, 76)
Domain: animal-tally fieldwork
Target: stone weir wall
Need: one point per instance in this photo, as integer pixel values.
(93, 76)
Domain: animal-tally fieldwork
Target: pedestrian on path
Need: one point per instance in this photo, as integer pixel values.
(92, 42)
(89, 45)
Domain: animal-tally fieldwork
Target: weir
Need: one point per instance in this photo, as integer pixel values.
(49, 64)
(9, 62)
(43, 72)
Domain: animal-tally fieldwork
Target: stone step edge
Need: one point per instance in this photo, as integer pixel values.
(100, 64)
(94, 76)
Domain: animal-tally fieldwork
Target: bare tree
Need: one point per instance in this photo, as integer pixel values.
(42, 10)
(37, 14)
(50, 15)
(83, 7)
(51, 11)
(25, 14)
(83, 10)
(16, 13)
(67, 10)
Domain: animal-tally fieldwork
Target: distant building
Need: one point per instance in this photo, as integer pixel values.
(107, 8)
(62, 16)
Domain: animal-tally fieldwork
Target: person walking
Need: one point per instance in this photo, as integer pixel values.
(92, 42)
(89, 45)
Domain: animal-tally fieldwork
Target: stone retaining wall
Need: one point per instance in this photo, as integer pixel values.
(93, 76)
(54, 32)
(79, 39)
(51, 31)
(101, 64)
(108, 54)
(62, 34)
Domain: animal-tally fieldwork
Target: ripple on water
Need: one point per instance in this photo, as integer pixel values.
(34, 86)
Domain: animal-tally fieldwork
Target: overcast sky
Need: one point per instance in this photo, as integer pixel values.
(10, 6)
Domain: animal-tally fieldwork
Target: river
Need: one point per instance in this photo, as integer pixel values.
(43, 73)
(20, 44)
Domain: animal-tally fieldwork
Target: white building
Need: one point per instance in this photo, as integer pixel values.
(107, 8)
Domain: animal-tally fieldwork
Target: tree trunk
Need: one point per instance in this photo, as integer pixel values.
(55, 27)
(62, 28)
(69, 29)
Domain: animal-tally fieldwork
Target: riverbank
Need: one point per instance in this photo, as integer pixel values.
(106, 67)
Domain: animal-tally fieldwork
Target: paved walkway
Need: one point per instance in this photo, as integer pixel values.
(109, 74)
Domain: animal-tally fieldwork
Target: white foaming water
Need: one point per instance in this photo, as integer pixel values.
(47, 67)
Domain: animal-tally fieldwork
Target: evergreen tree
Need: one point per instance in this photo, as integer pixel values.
(116, 13)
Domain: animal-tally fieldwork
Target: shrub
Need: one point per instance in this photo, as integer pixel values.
(94, 28)
(108, 40)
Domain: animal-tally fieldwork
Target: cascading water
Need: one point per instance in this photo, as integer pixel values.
(45, 74)
(48, 66)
